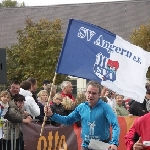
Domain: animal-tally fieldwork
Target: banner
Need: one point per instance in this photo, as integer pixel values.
(54, 138)
(64, 137)
(94, 53)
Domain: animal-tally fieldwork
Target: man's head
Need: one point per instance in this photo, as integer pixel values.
(19, 100)
(14, 88)
(119, 99)
(26, 85)
(103, 91)
(93, 92)
(66, 87)
(147, 85)
(33, 82)
(45, 83)
(110, 94)
(148, 94)
(50, 88)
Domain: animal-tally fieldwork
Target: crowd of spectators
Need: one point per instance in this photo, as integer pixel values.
(19, 104)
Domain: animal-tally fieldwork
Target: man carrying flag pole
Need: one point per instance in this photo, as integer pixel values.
(96, 117)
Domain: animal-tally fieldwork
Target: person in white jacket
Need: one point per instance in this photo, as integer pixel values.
(30, 105)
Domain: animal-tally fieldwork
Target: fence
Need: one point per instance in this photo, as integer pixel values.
(10, 135)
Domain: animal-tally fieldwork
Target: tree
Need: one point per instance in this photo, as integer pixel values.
(141, 37)
(11, 3)
(37, 51)
(22, 4)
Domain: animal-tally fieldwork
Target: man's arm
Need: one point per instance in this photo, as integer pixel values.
(113, 121)
(129, 142)
(67, 120)
(132, 139)
(13, 116)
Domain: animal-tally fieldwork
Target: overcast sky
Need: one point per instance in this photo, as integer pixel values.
(55, 2)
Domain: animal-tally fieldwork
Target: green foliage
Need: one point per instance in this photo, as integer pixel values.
(22, 4)
(11, 3)
(141, 37)
(36, 54)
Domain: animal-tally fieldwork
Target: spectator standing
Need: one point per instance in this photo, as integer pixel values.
(51, 89)
(14, 88)
(66, 93)
(110, 99)
(96, 117)
(16, 116)
(120, 109)
(44, 84)
(4, 99)
(103, 92)
(42, 101)
(67, 89)
(80, 98)
(136, 108)
(30, 105)
(43, 96)
(33, 82)
(147, 85)
(57, 107)
(146, 102)
(126, 103)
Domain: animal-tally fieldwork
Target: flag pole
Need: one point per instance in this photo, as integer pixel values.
(49, 98)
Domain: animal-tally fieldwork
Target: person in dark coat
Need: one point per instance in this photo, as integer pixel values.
(136, 108)
(42, 101)
(146, 102)
(44, 84)
(57, 107)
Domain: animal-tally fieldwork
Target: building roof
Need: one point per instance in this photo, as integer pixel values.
(119, 17)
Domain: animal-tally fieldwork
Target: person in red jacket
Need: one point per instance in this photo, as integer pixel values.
(67, 89)
(139, 134)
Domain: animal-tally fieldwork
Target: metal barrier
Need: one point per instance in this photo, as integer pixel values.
(10, 136)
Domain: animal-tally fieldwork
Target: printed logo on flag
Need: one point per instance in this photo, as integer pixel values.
(105, 68)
